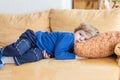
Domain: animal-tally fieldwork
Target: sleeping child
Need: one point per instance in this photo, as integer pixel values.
(34, 46)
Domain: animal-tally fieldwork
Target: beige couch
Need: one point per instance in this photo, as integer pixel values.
(12, 25)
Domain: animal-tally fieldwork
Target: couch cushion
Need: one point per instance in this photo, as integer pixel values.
(50, 69)
(12, 25)
(67, 20)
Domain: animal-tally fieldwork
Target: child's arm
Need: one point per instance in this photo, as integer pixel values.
(64, 46)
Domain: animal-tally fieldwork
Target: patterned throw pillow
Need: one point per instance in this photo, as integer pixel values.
(101, 45)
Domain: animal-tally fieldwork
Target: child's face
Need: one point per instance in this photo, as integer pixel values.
(81, 35)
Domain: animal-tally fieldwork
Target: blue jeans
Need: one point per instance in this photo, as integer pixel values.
(32, 55)
(24, 49)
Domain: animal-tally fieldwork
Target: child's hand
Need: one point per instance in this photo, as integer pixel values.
(45, 55)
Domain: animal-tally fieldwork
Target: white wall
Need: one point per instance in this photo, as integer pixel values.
(28, 6)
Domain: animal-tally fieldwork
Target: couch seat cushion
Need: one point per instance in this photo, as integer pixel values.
(51, 69)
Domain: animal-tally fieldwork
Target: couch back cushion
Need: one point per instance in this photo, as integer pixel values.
(67, 20)
(12, 25)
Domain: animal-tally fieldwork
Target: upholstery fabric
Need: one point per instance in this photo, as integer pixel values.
(101, 45)
(67, 20)
(51, 69)
(12, 25)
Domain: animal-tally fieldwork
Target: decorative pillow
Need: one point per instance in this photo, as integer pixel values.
(68, 20)
(12, 25)
(101, 45)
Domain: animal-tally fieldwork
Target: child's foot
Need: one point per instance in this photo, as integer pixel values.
(1, 64)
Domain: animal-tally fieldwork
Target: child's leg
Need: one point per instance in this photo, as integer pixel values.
(18, 48)
(6, 60)
(32, 55)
